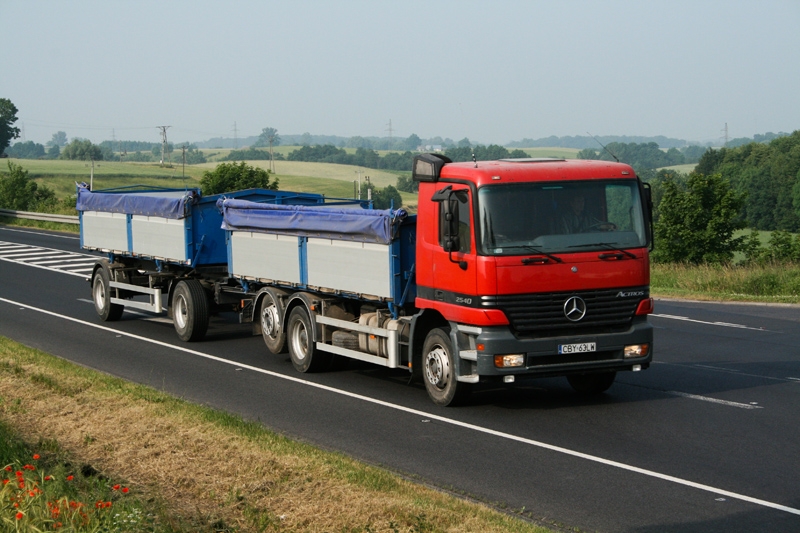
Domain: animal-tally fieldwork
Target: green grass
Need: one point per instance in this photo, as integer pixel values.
(322, 178)
(683, 169)
(775, 283)
(560, 153)
(42, 487)
(207, 470)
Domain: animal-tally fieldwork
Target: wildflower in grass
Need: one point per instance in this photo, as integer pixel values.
(36, 457)
(20, 515)
(70, 477)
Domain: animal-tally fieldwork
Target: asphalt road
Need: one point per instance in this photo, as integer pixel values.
(705, 440)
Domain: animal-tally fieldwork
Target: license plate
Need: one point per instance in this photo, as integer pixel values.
(577, 348)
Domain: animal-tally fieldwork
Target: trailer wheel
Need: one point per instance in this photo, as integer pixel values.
(271, 327)
(101, 295)
(588, 384)
(190, 310)
(305, 357)
(439, 370)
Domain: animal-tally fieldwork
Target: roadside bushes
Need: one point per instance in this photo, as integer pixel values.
(20, 193)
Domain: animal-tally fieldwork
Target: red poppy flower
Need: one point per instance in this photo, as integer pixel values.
(20, 515)
(36, 457)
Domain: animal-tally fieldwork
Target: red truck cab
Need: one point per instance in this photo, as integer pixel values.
(532, 267)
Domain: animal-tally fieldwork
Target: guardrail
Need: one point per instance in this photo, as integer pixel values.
(64, 219)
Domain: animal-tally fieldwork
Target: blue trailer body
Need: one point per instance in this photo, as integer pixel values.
(169, 225)
(367, 254)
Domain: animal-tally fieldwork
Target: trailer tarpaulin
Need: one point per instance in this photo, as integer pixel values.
(173, 204)
(362, 225)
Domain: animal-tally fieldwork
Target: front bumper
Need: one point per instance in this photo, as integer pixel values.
(541, 354)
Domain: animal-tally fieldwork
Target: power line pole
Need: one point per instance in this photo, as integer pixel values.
(725, 133)
(163, 141)
(390, 130)
(183, 169)
(235, 137)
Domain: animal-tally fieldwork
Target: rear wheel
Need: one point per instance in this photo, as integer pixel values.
(300, 332)
(588, 384)
(190, 310)
(440, 372)
(101, 295)
(271, 327)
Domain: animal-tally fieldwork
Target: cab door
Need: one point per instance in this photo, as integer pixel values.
(454, 275)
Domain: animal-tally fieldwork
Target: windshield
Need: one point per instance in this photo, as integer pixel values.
(546, 218)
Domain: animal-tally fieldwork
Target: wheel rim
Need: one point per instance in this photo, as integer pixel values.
(437, 367)
(181, 312)
(269, 320)
(99, 292)
(300, 340)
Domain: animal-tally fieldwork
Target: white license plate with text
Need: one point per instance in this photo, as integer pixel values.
(580, 347)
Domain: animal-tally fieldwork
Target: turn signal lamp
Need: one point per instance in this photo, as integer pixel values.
(509, 361)
(636, 350)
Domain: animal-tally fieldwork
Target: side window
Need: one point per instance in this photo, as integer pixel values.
(464, 231)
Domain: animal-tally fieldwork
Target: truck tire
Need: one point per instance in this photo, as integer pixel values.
(190, 310)
(101, 295)
(439, 370)
(300, 336)
(589, 384)
(271, 325)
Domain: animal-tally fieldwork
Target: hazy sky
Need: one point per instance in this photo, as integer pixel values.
(493, 71)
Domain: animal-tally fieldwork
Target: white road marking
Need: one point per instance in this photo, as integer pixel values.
(715, 400)
(431, 416)
(74, 237)
(41, 262)
(723, 324)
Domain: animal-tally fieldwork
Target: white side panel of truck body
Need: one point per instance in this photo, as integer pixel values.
(356, 267)
(105, 231)
(159, 237)
(265, 256)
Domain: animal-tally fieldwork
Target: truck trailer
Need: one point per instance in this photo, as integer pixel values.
(510, 269)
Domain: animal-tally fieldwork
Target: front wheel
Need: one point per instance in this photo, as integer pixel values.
(190, 310)
(588, 384)
(101, 295)
(440, 372)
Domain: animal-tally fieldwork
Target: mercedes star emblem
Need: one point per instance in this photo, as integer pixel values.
(574, 309)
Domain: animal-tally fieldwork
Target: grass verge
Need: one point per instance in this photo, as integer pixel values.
(197, 469)
(770, 283)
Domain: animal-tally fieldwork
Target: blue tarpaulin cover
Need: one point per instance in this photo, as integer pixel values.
(362, 225)
(174, 204)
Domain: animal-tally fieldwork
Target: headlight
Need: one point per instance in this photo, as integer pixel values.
(509, 361)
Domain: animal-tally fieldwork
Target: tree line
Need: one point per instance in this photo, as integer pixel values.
(768, 174)
(644, 156)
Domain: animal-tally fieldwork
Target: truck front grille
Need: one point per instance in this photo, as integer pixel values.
(542, 315)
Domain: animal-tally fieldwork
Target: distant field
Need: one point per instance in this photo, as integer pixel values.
(563, 153)
(322, 178)
(683, 169)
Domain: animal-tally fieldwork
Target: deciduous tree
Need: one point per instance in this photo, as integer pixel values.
(697, 223)
(8, 116)
(236, 177)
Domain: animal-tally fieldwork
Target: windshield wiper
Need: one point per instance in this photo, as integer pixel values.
(531, 249)
(608, 245)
